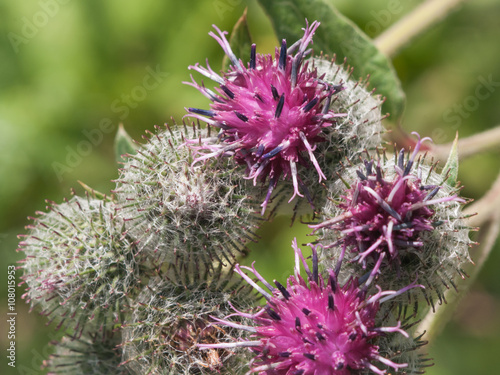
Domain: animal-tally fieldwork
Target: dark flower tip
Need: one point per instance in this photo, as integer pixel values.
(271, 114)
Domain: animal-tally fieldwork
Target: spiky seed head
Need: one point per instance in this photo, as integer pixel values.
(316, 326)
(172, 316)
(187, 216)
(80, 263)
(271, 113)
(399, 219)
(93, 353)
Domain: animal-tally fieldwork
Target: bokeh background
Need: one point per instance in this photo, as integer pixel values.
(72, 70)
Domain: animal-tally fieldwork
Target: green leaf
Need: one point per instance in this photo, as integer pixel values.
(450, 170)
(123, 145)
(240, 41)
(340, 36)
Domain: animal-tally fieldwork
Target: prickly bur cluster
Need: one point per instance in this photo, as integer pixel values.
(189, 216)
(81, 264)
(401, 214)
(147, 280)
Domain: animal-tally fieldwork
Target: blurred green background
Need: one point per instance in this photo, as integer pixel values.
(71, 71)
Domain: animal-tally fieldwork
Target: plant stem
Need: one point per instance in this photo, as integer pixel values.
(475, 144)
(414, 23)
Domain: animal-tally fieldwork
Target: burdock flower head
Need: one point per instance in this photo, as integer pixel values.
(190, 217)
(397, 213)
(271, 113)
(316, 326)
(171, 316)
(80, 263)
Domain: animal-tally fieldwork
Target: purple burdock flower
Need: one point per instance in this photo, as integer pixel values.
(316, 326)
(390, 210)
(271, 114)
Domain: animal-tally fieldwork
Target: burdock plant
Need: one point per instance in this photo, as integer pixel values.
(283, 116)
(148, 279)
(173, 315)
(96, 352)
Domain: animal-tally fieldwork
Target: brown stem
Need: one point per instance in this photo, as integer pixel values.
(481, 142)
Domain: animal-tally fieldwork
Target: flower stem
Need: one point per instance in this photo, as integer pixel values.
(475, 144)
(414, 23)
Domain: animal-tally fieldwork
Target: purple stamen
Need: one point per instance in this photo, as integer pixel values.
(283, 55)
(276, 151)
(274, 91)
(203, 112)
(331, 302)
(432, 194)
(295, 69)
(252, 56)
(361, 176)
(310, 105)
(241, 116)
(228, 92)
(282, 289)
(279, 107)
(326, 105)
(401, 159)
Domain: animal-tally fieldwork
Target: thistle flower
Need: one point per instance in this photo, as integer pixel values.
(271, 114)
(80, 263)
(190, 217)
(93, 353)
(398, 214)
(171, 317)
(315, 326)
